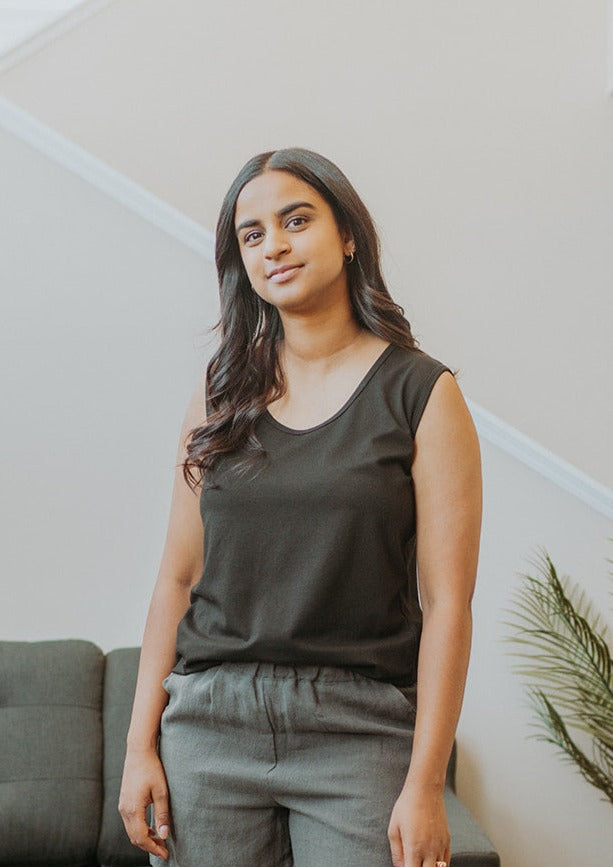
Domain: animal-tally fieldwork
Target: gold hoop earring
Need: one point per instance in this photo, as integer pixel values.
(349, 260)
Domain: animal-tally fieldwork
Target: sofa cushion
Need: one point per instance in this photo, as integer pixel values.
(114, 847)
(51, 757)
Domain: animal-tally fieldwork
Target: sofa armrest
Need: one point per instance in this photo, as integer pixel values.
(470, 847)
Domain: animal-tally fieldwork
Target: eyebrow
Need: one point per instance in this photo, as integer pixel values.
(282, 213)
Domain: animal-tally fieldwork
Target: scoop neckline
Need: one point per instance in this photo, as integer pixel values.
(352, 397)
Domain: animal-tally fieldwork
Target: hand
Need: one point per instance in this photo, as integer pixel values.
(418, 830)
(144, 783)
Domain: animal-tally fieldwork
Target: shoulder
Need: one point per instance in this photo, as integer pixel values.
(416, 363)
(445, 426)
(412, 374)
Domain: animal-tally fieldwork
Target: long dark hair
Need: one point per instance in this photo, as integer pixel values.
(244, 374)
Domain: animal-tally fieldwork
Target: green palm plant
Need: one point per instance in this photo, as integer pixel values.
(568, 666)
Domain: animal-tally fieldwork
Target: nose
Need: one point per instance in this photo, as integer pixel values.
(276, 243)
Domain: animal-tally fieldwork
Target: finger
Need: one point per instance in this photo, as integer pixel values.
(158, 843)
(395, 842)
(161, 813)
(414, 857)
(445, 858)
(144, 837)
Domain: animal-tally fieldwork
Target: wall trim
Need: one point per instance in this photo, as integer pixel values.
(534, 455)
(112, 183)
(32, 44)
(174, 223)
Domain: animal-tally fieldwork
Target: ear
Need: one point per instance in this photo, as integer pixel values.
(348, 242)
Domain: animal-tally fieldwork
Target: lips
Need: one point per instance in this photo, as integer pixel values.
(283, 274)
(281, 270)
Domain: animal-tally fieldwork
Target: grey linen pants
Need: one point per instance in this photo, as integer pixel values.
(274, 765)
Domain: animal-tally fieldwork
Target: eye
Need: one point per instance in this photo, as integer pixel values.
(293, 222)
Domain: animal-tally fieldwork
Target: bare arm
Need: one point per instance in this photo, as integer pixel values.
(447, 476)
(143, 779)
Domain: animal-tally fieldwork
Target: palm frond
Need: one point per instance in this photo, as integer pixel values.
(564, 655)
(557, 734)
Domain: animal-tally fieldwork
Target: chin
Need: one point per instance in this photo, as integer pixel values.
(287, 296)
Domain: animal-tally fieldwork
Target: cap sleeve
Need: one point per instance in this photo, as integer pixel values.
(423, 373)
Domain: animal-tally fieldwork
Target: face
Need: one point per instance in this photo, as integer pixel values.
(290, 245)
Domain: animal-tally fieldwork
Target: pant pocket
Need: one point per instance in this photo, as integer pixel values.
(166, 682)
(409, 694)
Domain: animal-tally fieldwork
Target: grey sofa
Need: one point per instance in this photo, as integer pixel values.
(64, 713)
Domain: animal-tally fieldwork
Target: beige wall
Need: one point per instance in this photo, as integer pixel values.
(479, 133)
(481, 137)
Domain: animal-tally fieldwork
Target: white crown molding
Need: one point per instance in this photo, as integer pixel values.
(106, 179)
(537, 457)
(174, 223)
(52, 31)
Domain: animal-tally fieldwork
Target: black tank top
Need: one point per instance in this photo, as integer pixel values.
(312, 560)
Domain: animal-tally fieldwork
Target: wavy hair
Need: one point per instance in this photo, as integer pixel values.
(244, 374)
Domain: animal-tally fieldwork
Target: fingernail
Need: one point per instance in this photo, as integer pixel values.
(163, 831)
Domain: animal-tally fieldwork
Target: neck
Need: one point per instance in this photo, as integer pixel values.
(314, 338)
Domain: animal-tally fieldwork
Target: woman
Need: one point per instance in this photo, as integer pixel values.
(315, 679)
